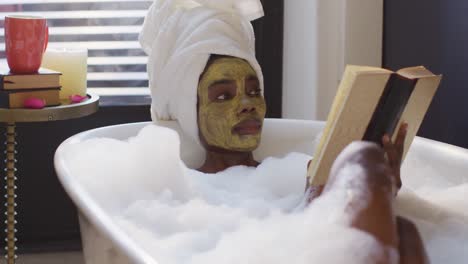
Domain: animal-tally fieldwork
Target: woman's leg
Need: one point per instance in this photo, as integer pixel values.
(362, 172)
(411, 247)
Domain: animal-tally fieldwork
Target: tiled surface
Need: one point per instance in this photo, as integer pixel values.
(52, 258)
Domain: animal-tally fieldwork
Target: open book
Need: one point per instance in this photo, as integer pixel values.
(371, 102)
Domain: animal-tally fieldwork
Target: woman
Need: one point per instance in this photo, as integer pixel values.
(230, 115)
(204, 74)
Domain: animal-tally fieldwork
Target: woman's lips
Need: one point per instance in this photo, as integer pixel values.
(248, 127)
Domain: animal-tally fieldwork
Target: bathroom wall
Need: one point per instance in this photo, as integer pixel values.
(433, 33)
(320, 38)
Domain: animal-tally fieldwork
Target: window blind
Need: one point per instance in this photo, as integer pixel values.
(107, 28)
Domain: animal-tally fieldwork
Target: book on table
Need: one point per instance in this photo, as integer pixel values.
(16, 98)
(369, 103)
(42, 79)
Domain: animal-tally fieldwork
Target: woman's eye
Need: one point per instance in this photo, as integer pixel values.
(254, 92)
(222, 97)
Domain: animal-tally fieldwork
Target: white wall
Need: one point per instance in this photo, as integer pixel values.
(320, 38)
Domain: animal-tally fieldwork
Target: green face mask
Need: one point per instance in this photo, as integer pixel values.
(231, 108)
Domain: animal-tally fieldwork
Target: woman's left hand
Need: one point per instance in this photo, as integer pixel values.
(312, 192)
(394, 151)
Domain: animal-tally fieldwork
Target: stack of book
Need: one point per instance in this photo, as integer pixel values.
(15, 89)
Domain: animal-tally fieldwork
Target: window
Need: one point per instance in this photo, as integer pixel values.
(107, 28)
(116, 63)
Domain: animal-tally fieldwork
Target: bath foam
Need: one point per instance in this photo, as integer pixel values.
(238, 213)
(248, 215)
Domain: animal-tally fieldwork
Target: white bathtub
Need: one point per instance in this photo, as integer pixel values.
(104, 242)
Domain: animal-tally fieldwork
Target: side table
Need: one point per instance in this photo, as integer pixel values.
(12, 116)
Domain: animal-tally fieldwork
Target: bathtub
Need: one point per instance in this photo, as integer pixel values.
(104, 242)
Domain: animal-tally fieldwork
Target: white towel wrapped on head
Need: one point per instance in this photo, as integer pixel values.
(179, 36)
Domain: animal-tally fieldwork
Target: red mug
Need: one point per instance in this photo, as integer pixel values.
(26, 39)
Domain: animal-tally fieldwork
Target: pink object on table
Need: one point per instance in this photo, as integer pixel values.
(76, 98)
(34, 103)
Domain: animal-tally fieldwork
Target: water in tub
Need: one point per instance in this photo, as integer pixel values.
(251, 215)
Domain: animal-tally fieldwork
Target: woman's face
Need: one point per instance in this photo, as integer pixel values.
(231, 108)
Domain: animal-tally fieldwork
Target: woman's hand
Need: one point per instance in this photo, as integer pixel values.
(312, 192)
(394, 151)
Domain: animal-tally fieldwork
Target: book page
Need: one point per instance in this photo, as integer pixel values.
(357, 96)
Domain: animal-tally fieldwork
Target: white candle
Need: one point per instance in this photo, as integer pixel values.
(72, 63)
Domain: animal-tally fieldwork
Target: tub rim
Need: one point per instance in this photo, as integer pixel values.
(91, 210)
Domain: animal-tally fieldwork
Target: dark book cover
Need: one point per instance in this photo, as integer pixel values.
(389, 108)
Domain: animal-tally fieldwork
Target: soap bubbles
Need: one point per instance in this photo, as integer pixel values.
(249, 215)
